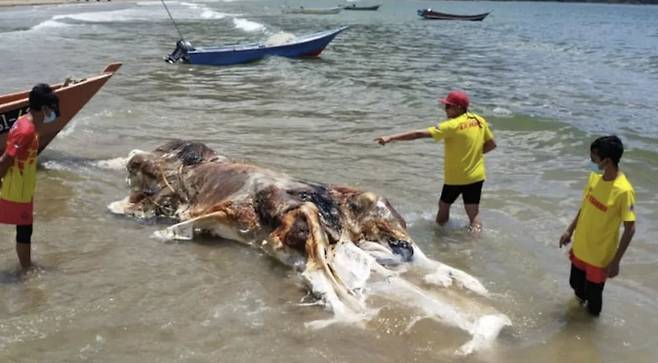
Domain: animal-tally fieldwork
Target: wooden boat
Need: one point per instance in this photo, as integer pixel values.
(313, 11)
(429, 14)
(305, 46)
(354, 7)
(73, 95)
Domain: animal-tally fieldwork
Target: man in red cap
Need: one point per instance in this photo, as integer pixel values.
(467, 138)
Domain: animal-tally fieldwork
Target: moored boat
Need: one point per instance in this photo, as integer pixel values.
(429, 14)
(366, 8)
(312, 11)
(73, 95)
(305, 46)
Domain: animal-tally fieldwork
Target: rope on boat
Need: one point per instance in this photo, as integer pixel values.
(172, 20)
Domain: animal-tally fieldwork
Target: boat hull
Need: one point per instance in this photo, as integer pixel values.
(435, 15)
(308, 46)
(362, 8)
(72, 97)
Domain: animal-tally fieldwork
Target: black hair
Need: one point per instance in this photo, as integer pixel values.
(42, 95)
(608, 147)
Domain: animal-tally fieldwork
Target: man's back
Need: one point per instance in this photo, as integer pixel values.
(464, 136)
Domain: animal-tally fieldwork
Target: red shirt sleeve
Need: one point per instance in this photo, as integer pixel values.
(18, 141)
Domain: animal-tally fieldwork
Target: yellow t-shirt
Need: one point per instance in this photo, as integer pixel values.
(464, 136)
(605, 205)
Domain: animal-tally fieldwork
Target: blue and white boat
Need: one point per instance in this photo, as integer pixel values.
(305, 46)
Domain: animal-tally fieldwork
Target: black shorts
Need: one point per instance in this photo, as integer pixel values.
(24, 233)
(470, 193)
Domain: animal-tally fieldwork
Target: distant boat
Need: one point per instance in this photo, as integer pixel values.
(73, 95)
(354, 7)
(314, 11)
(429, 14)
(305, 46)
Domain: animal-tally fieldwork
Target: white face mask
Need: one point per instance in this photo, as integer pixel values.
(594, 167)
(49, 117)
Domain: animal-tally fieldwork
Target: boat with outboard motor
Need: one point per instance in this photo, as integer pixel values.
(305, 46)
(73, 95)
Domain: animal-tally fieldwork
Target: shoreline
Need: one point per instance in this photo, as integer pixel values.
(20, 3)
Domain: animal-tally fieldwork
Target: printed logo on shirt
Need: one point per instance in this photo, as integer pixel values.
(596, 203)
(470, 123)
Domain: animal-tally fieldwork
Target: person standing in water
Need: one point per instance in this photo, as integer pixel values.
(608, 201)
(18, 168)
(467, 137)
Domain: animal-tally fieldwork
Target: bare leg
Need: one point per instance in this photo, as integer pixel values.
(443, 214)
(23, 250)
(473, 212)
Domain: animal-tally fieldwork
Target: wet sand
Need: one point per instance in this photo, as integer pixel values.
(4, 3)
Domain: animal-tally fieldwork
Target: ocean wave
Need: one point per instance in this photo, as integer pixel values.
(210, 14)
(105, 16)
(248, 25)
(50, 23)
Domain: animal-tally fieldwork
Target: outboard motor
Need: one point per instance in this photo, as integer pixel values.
(180, 53)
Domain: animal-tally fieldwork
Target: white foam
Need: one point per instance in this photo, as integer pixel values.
(190, 5)
(211, 14)
(501, 112)
(205, 12)
(56, 165)
(119, 206)
(51, 23)
(248, 25)
(112, 164)
(280, 38)
(108, 16)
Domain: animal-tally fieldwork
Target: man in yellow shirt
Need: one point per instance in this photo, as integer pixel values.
(467, 138)
(608, 200)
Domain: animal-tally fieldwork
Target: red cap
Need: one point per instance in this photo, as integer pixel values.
(456, 98)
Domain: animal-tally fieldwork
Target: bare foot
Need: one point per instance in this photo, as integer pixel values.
(474, 229)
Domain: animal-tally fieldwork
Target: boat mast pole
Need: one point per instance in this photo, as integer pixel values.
(172, 20)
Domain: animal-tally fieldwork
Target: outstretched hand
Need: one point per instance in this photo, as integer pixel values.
(383, 140)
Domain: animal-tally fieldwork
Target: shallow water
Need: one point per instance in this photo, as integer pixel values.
(549, 77)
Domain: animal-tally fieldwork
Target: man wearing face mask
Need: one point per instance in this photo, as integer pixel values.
(467, 137)
(18, 167)
(608, 201)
